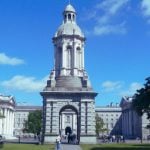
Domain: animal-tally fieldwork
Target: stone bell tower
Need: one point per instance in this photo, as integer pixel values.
(68, 98)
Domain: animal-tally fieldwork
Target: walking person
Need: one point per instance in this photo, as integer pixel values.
(58, 143)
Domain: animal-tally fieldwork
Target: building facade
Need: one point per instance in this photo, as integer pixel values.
(68, 88)
(21, 115)
(133, 125)
(7, 107)
(112, 118)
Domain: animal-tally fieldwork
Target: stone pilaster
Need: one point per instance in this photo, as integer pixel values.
(82, 118)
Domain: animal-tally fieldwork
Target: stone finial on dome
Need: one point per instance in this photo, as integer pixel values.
(69, 14)
(69, 8)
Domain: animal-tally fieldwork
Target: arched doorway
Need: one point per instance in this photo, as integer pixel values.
(69, 121)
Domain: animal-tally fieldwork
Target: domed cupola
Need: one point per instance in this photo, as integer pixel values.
(69, 25)
(69, 44)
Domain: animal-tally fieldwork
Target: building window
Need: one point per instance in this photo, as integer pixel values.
(59, 58)
(65, 17)
(73, 17)
(69, 16)
(68, 119)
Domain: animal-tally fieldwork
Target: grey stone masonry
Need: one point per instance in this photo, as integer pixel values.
(68, 97)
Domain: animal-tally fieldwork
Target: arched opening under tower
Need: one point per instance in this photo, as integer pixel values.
(69, 121)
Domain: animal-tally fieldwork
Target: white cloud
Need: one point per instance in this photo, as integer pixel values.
(133, 87)
(112, 6)
(4, 59)
(110, 29)
(104, 17)
(109, 86)
(145, 5)
(27, 84)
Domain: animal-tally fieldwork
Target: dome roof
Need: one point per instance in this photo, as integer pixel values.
(69, 28)
(69, 8)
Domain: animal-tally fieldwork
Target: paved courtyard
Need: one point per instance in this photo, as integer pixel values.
(70, 147)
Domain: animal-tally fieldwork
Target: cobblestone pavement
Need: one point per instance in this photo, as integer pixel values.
(70, 147)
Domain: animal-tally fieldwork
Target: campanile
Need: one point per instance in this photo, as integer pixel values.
(68, 98)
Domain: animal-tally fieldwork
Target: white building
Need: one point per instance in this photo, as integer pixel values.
(111, 116)
(133, 126)
(7, 106)
(21, 115)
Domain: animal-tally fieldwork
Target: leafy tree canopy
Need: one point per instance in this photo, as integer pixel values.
(141, 100)
(33, 124)
(99, 125)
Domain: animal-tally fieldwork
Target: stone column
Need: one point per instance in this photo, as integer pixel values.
(130, 123)
(12, 122)
(123, 122)
(8, 119)
(127, 124)
(82, 60)
(60, 126)
(11, 125)
(5, 121)
(75, 59)
(13, 119)
(74, 55)
(8, 122)
(63, 120)
(74, 121)
(63, 69)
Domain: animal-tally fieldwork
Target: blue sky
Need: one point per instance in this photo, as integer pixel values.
(117, 51)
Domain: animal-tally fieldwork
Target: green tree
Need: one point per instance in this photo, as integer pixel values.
(141, 100)
(99, 125)
(33, 124)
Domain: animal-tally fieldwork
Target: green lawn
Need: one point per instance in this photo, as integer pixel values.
(84, 147)
(116, 147)
(27, 147)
